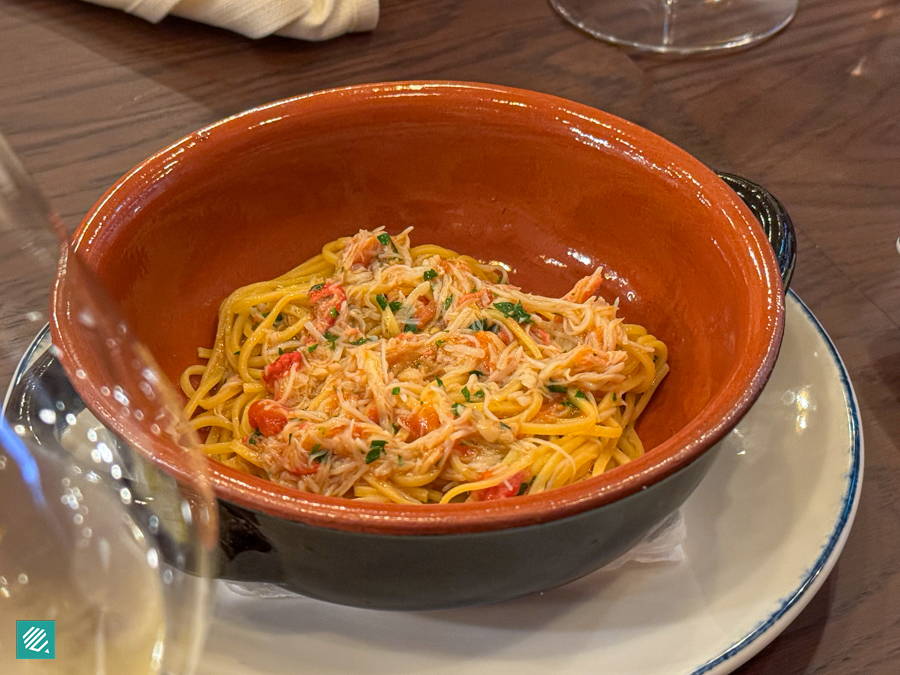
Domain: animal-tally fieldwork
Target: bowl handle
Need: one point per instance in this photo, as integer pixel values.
(773, 217)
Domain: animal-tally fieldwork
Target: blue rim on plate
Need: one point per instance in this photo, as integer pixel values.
(816, 574)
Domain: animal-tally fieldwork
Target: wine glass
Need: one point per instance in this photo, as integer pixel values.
(679, 26)
(106, 560)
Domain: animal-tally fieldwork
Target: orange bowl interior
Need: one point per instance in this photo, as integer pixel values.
(552, 188)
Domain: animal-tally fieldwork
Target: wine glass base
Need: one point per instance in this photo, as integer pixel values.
(679, 26)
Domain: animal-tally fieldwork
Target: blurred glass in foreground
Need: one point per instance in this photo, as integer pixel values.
(105, 559)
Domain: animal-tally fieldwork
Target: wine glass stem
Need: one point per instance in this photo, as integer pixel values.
(668, 16)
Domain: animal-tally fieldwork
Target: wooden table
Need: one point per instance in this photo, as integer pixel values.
(813, 114)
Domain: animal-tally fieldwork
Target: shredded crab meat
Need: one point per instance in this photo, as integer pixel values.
(414, 375)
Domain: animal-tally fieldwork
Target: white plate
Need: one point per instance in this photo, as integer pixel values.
(764, 529)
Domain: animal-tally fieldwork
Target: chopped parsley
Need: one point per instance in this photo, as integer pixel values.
(614, 396)
(381, 299)
(238, 352)
(513, 311)
(580, 394)
(465, 393)
(523, 488)
(331, 338)
(395, 391)
(334, 313)
(311, 348)
(318, 454)
(557, 388)
(362, 341)
(280, 351)
(438, 343)
(384, 238)
(504, 426)
(429, 274)
(483, 324)
(479, 393)
(439, 381)
(455, 408)
(448, 302)
(317, 287)
(397, 429)
(476, 373)
(376, 450)
(410, 328)
(395, 305)
(251, 440)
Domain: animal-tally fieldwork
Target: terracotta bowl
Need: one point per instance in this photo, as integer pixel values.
(551, 187)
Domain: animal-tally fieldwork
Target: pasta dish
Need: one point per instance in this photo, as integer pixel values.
(388, 372)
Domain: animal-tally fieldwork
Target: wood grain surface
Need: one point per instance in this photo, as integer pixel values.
(813, 114)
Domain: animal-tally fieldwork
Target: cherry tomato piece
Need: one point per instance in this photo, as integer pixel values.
(508, 488)
(422, 421)
(280, 367)
(269, 416)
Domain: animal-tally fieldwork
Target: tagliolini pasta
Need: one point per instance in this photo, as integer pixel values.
(412, 374)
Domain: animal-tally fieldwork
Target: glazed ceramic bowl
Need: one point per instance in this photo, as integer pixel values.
(552, 188)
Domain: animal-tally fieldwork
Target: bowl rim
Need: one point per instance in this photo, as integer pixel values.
(711, 424)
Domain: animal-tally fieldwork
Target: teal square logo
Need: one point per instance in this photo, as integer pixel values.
(35, 639)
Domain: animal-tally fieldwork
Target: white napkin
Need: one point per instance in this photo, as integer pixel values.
(664, 544)
(303, 19)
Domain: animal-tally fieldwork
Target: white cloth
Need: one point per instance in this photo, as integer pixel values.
(664, 544)
(303, 19)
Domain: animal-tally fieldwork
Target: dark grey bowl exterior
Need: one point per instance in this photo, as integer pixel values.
(439, 572)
